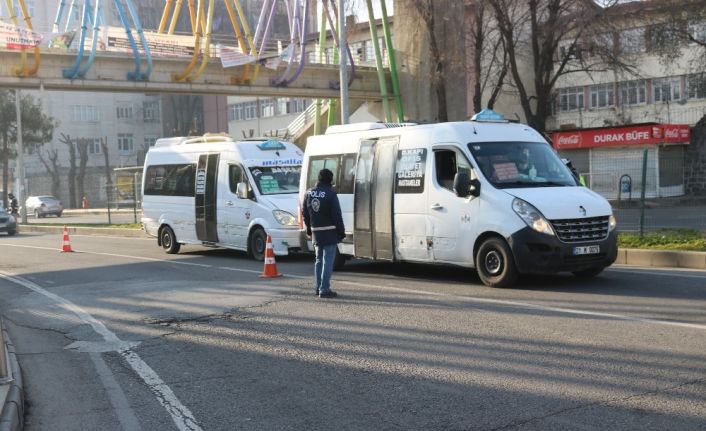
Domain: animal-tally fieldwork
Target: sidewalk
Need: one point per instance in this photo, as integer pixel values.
(11, 387)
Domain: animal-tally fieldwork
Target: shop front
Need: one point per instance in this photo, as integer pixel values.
(611, 158)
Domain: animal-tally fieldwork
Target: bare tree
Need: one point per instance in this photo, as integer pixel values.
(183, 115)
(66, 140)
(556, 38)
(428, 14)
(489, 65)
(108, 176)
(82, 147)
(52, 167)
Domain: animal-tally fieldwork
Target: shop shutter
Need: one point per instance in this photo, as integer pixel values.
(609, 164)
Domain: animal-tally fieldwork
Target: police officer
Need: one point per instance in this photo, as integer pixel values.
(323, 221)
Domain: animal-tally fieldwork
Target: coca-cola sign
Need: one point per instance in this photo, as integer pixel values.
(623, 136)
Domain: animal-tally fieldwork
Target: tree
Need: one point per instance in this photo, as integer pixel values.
(66, 139)
(82, 147)
(37, 129)
(489, 65)
(183, 115)
(53, 168)
(108, 176)
(556, 38)
(428, 14)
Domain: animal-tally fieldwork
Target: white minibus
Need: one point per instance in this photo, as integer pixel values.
(485, 193)
(216, 191)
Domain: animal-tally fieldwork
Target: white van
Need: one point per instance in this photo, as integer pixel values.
(212, 190)
(484, 193)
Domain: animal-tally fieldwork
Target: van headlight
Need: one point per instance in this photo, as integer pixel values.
(612, 222)
(532, 216)
(285, 218)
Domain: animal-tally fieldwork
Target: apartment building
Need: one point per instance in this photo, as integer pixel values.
(605, 120)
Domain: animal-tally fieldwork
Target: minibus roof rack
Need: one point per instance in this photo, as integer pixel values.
(359, 127)
(181, 140)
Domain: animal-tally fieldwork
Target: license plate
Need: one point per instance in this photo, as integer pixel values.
(587, 249)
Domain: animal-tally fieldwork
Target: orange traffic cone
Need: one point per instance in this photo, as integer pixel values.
(66, 247)
(270, 270)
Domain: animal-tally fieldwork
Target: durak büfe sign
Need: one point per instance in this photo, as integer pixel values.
(650, 134)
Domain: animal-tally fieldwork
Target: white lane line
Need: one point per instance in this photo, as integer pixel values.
(182, 417)
(440, 295)
(664, 272)
(117, 397)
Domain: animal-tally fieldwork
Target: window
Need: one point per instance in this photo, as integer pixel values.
(663, 37)
(567, 48)
(249, 110)
(342, 166)
(448, 163)
(358, 52)
(570, 99)
(666, 89)
(236, 175)
(696, 86)
(633, 93)
(235, 112)
(328, 56)
(602, 96)
(632, 41)
(370, 50)
(697, 31)
(150, 141)
(282, 103)
(30, 8)
(124, 112)
(170, 180)
(150, 111)
(125, 145)
(94, 147)
(85, 114)
(267, 108)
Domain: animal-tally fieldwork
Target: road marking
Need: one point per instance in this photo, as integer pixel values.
(665, 272)
(182, 417)
(438, 294)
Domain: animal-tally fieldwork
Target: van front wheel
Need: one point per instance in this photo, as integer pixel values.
(257, 244)
(495, 263)
(169, 241)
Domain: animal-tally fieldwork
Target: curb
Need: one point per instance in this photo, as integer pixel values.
(106, 231)
(12, 414)
(662, 258)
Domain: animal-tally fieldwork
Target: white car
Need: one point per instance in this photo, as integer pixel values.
(41, 206)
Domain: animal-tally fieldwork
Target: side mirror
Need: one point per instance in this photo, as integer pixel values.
(242, 191)
(461, 184)
(474, 187)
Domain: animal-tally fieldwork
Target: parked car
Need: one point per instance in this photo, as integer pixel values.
(41, 206)
(8, 224)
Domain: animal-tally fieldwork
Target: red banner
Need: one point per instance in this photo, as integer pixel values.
(622, 136)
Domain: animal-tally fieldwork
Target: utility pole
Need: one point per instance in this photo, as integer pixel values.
(342, 62)
(21, 191)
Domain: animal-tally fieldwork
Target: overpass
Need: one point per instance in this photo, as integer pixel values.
(109, 71)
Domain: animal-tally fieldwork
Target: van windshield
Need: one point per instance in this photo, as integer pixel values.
(275, 180)
(521, 164)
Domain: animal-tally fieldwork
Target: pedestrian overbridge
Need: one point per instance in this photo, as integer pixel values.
(109, 71)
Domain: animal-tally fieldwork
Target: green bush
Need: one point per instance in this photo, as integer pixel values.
(665, 239)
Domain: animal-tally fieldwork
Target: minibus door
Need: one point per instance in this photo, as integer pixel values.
(206, 188)
(373, 199)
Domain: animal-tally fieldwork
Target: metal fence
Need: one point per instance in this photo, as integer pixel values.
(650, 189)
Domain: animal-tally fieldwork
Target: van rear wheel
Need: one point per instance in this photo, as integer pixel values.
(257, 244)
(169, 241)
(495, 263)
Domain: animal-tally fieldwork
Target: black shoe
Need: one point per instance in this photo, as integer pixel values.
(316, 293)
(328, 294)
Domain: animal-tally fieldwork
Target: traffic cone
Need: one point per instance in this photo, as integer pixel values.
(270, 270)
(66, 247)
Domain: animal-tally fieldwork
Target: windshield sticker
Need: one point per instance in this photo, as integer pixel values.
(268, 184)
(409, 175)
(505, 171)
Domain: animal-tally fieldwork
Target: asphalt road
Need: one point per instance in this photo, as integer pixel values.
(122, 336)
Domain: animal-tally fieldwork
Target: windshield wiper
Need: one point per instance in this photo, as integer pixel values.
(550, 184)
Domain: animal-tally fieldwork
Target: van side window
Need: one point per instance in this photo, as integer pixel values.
(318, 163)
(170, 180)
(448, 163)
(235, 176)
(346, 179)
